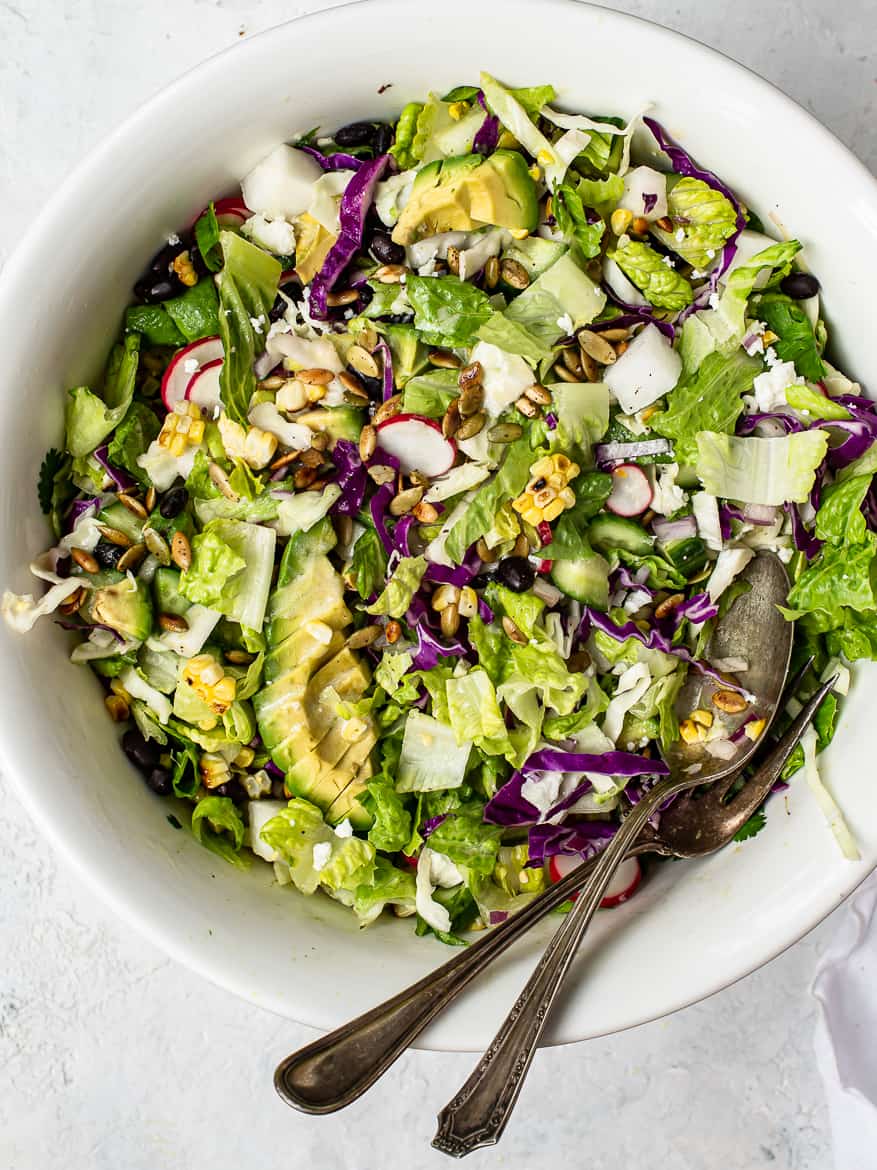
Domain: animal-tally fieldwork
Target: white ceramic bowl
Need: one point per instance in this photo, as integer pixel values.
(695, 927)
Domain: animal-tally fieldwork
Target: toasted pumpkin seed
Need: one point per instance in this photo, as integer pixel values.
(563, 374)
(729, 701)
(640, 225)
(388, 409)
(514, 273)
(273, 382)
(381, 473)
(425, 513)
(363, 362)
(485, 554)
(173, 622)
(572, 361)
(73, 603)
(618, 334)
(471, 375)
(85, 560)
(522, 546)
(311, 458)
(151, 497)
(527, 408)
(467, 604)
(132, 505)
(620, 347)
(665, 223)
(346, 297)
(239, 657)
(390, 273)
(352, 384)
(157, 545)
(589, 367)
(363, 637)
(451, 420)
(392, 631)
(472, 425)
(181, 550)
(368, 337)
(285, 460)
(304, 477)
(597, 346)
(444, 596)
(450, 621)
(221, 480)
(131, 558)
(539, 394)
(471, 400)
(668, 605)
(453, 260)
(514, 632)
(368, 441)
(491, 272)
(405, 501)
(444, 359)
(505, 432)
(315, 377)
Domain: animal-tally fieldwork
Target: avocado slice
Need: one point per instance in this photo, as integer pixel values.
(347, 803)
(322, 783)
(125, 608)
(561, 289)
(338, 422)
(534, 254)
(464, 193)
(316, 595)
(410, 355)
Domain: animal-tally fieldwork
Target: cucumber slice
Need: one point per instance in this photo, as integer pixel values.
(585, 580)
(608, 533)
(118, 516)
(168, 598)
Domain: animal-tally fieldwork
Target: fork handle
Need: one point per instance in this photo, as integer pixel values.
(477, 1115)
(339, 1067)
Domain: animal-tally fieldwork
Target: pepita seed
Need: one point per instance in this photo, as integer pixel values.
(514, 273)
(388, 409)
(363, 362)
(117, 707)
(321, 441)
(596, 346)
(640, 225)
(85, 560)
(730, 702)
(343, 529)
(539, 394)
(522, 546)
(273, 382)
(151, 497)
(368, 337)
(173, 623)
(471, 400)
(132, 505)
(444, 359)
(346, 297)
(131, 558)
(453, 260)
(181, 551)
(514, 632)
(285, 460)
(485, 554)
(390, 273)
(304, 477)
(315, 377)
(527, 408)
(114, 536)
(620, 347)
(563, 374)
(620, 334)
(451, 420)
(505, 432)
(491, 272)
(668, 605)
(221, 481)
(425, 513)
(589, 368)
(368, 441)
(311, 458)
(380, 473)
(471, 426)
(392, 631)
(352, 384)
(405, 501)
(364, 637)
(467, 604)
(450, 621)
(470, 375)
(444, 596)
(238, 657)
(572, 361)
(73, 603)
(665, 223)
(418, 477)
(157, 545)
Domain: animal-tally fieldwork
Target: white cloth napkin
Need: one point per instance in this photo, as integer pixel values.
(845, 986)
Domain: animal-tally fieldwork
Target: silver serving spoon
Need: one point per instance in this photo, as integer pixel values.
(752, 630)
(337, 1068)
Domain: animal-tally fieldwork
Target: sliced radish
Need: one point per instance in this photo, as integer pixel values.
(624, 881)
(203, 387)
(231, 212)
(184, 364)
(631, 491)
(418, 444)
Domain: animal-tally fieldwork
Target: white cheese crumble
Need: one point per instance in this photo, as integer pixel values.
(322, 853)
(565, 323)
(173, 239)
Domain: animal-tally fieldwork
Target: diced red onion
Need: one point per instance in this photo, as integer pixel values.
(619, 452)
(681, 529)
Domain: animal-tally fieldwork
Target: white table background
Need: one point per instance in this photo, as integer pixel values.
(112, 1056)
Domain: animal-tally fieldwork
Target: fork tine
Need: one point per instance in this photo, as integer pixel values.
(793, 683)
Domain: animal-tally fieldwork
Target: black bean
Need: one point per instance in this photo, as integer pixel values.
(516, 573)
(161, 781)
(383, 138)
(800, 286)
(107, 555)
(154, 289)
(386, 250)
(231, 788)
(198, 261)
(173, 502)
(143, 753)
(399, 318)
(480, 581)
(355, 134)
(374, 386)
(277, 309)
(161, 262)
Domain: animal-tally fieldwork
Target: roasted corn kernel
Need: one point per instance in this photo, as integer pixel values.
(255, 446)
(182, 428)
(457, 109)
(548, 493)
(690, 732)
(210, 682)
(214, 769)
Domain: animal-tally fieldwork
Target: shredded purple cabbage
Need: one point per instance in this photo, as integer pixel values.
(860, 433)
(333, 162)
(487, 138)
(351, 477)
(649, 201)
(551, 421)
(431, 650)
(584, 838)
(805, 541)
(785, 422)
(123, 481)
(633, 315)
(431, 824)
(78, 509)
(353, 209)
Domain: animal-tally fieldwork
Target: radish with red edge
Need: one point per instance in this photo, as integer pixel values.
(203, 387)
(631, 491)
(231, 212)
(624, 884)
(183, 365)
(418, 444)
(545, 533)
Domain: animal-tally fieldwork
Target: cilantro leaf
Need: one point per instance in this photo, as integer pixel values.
(752, 827)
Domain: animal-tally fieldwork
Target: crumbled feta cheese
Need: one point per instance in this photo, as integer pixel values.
(344, 829)
(258, 323)
(680, 234)
(713, 300)
(322, 853)
(770, 356)
(771, 386)
(566, 324)
(711, 252)
(669, 261)
(173, 239)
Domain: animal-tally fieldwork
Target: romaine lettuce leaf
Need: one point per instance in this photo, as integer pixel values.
(195, 312)
(661, 285)
(572, 222)
(132, 436)
(399, 590)
(797, 341)
(368, 565)
(90, 418)
(433, 755)
(338, 862)
(840, 519)
(840, 576)
(389, 887)
(515, 337)
(508, 482)
(217, 825)
(466, 839)
(406, 128)
(232, 563)
(706, 218)
(474, 712)
(431, 393)
(392, 821)
(447, 311)
(760, 471)
(247, 291)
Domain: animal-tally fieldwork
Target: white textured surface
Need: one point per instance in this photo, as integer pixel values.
(114, 1057)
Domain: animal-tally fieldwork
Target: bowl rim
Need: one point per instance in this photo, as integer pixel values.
(131, 909)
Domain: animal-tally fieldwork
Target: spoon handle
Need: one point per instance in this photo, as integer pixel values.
(339, 1067)
(477, 1115)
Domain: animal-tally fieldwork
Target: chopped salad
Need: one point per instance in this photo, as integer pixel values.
(417, 478)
